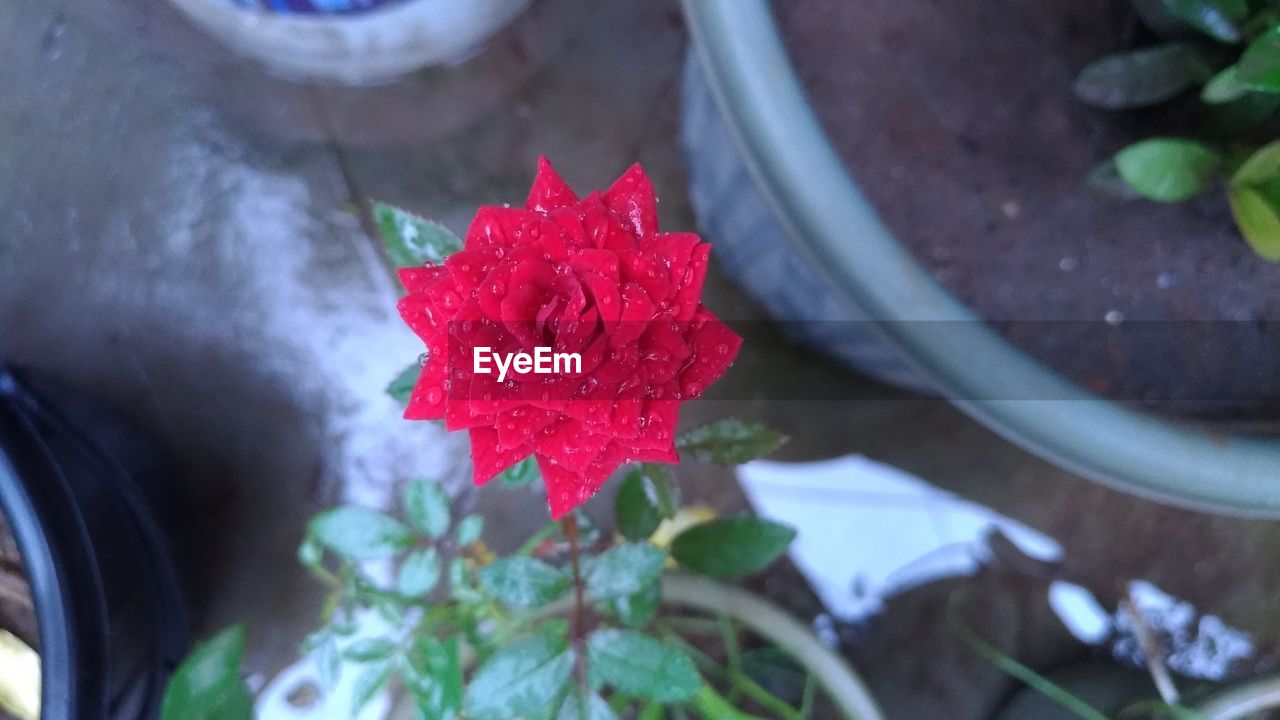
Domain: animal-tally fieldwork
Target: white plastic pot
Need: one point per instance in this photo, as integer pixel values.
(369, 47)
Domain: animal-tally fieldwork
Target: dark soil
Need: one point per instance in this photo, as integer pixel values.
(17, 614)
(958, 120)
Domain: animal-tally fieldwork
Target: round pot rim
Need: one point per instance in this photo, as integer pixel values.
(805, 181)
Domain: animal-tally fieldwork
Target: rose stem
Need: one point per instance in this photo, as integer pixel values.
(578, 629)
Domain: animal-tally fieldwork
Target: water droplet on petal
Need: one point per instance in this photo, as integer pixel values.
(423, 358)
(434, 396)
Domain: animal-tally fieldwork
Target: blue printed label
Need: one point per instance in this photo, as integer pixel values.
(314, 7)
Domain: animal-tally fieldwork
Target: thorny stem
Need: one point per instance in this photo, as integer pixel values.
(578, 628)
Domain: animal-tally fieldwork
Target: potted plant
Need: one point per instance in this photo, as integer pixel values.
(770, 186)
(576, 621)
(103, 594)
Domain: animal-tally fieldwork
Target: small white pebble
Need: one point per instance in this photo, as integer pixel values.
(1068, 263)
(1011, 209)
(1114, 317)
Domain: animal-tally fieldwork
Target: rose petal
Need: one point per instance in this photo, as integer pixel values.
(714, 346)
(631, 196)
(488, 458)
(494, 225)
(549, 191)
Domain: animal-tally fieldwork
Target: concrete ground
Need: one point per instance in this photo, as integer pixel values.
(177, 234)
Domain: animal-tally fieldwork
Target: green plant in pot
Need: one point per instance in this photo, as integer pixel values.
(574, 622)
(1229, 52)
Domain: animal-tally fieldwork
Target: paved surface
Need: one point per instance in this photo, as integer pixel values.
(176, 234)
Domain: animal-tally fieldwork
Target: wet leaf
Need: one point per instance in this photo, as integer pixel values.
(437, 677)
(369, 650)
(402, 387)
(640, 665)
(1257, 220)
(1168, 169)
(460, 588)
(427, 507)
(622, 570)
(207, 686)
(1259, 66)
(469, 530)
(590, 707)
(635, 506)
(360, 533)
(419, 573)
(1216, 18)
(523, 581)
(522, 474)
(329, 663)
(729, 442)
(368, 683)
(310, 553)
(412, 240)
(1142, 77)
(523, 678)
(638, 608)
(732, 547)
(1261, 166)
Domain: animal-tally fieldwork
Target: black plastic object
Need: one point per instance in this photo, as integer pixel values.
(108, 603)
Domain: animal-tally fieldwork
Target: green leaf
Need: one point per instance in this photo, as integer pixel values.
(523, 581)
(590, 707)
(419, 573)
(329, 663)
(731, 547)
(1142, 77)
(522, 474)
(1259, 66)
(360, 533)
(1236, 117)
(460, 587)
(427, 507)
(1216, 18)
(369, 650)
(1105, 178)
(635, 508)
(436, 678)
(637, 609)
(729, 442)
(1168, 169)
(310, 553)
(1261, 166)
(520, 679)
(622, 570)
(402, 387)
(412, 240)
(1223, 87)
(1257, 220)
(207, 686)
(640, 665)
(469, 530)
(368, 683)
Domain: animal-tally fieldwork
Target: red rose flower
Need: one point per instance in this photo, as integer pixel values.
(592, 277)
